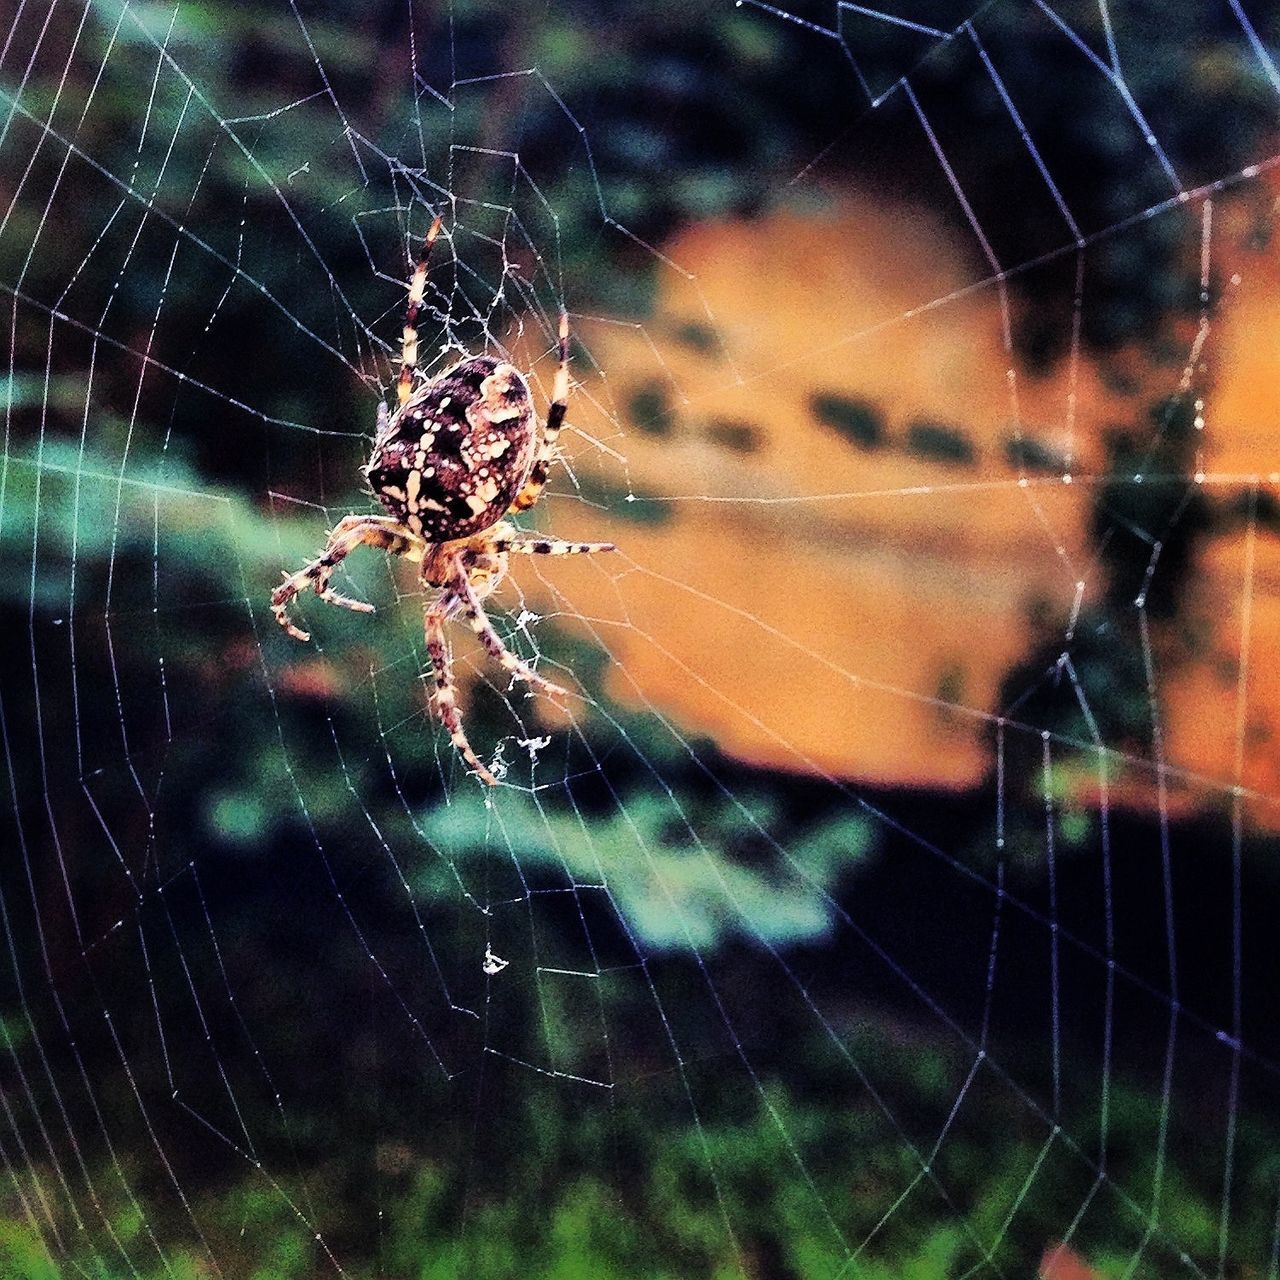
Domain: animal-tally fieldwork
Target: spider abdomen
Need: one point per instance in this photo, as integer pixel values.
(452, 460)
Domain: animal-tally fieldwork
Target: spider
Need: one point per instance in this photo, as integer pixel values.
(458, 454)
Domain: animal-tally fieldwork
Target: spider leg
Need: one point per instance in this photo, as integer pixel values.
(409, 340)
(444, 701)
(347, 535)
(552, 547)
(537, 481)
(470, 607)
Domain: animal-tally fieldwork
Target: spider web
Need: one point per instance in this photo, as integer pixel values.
(795, 946)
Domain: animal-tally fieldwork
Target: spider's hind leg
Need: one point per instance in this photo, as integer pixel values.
(444, 701)
(471, 609)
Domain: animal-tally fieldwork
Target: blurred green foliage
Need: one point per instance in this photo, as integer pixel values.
(1150, 519)
(699, 878)
(974, 1205)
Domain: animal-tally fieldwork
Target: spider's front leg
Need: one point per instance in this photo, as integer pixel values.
(537, 481)
(347, 535)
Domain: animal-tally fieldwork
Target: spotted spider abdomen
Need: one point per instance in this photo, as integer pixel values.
(452, 460)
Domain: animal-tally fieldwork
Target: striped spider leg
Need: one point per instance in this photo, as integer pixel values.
(467, 573)
(348, 534)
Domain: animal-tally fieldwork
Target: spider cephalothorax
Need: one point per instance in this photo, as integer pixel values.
(458, 454)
